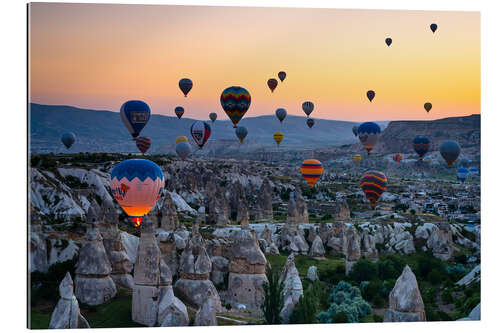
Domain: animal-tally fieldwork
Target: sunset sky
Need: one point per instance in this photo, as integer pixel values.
(99, 56)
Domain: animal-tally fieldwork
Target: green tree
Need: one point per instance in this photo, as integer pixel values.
(306, 309)
(273, 296)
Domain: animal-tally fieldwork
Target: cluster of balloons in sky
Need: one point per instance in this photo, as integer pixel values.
(138, 183)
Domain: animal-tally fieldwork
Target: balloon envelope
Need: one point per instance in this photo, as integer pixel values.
(474, 171)
(357, 158)
(388, 41)
(308, 107)
(183, 149)
(397, 157)
(235, 101)
(427, 106)
(462, 174)
(281, 114)
(272, 84)
(181, 138)
(200, 131)
(368, 134)
(135, 115)
(241, 133)
(373, 184)
(213, 116)
(185, 85)
(355, 130)
(310, 122)
(143, 143)
(311, 170)
(370, 94)
(136, 185)
(68, 139)
(421, 145)
(282, 76)
(278, 137)
(179, 111)
(450, 150)
(434, 27)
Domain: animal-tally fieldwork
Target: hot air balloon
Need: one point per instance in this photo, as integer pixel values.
(397, 157)
(308, 107)
(278, 137)
(421, 145)
(464, 162)
(200, 131)
(357, 158)
(355, 130)
(183, 149)
(311, 170)
(434, 27)
(462, 174)
(474, 171)
(450, 150)
(272, 84)
(427, 107)
(368, 134)
(143, 143)
(370, 94)
(310, 122)
(179, 111)
(281, 114)
(388, 41)
(181, 138)
(213, 116)
(241, 133)
(235, 101)
(282, 76)
(135, 115)
(136, 185)
(185, 85)
(68, 139)
(373, 183)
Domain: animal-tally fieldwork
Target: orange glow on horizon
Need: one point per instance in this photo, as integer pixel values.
(98, 56)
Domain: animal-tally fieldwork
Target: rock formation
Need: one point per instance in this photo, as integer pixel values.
(317, 251)
(38, 246)
(247, 268)
(302, 214)
(312, 235)
(264, 209)
(342, 211)
(206, 315)
(216, 205)
(67, 311)
(312, 273)
(195, 266)
(242, 216)
(169, 219)
(335, 240)
(168, 248)
(171, 311)
(93, 284)
(441, 241)
(405, 301)
(292, 288)
(236, 197)
(352, 247)
(121, 265)
(368, 245)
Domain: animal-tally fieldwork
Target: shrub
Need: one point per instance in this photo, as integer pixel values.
(305, 310)
(363, 270)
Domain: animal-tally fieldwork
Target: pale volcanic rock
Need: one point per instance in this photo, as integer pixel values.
(216, 206)
(264, 209)
(405, 301)
(168, 213)
(302, 213)
(93, 284)
(317, 250)
(352, 249)
(67, 314)
(292, 288)
(206, 315)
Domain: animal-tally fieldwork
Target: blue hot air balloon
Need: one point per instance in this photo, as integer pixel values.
(388, 41)
(135, 115)
(421, 145)
(368, 134)
(68, 139)
(474, 171)
(450, 150)
(462, 174)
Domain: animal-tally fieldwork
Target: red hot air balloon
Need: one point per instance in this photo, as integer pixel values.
(397, 157)
(143, 143)
(200, 131)
(311, 170)
(272, 84)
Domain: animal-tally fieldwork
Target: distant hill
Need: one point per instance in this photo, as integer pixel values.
(99, 131)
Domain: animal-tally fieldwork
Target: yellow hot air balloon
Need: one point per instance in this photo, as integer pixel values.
(311, 170)
(278, 137)
(181, 138)
(357, 158)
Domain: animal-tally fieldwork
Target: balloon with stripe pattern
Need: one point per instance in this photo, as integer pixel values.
(311, 170)
(373, 184)
(143, 143)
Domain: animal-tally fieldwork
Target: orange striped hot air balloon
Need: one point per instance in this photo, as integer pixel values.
(311, 170)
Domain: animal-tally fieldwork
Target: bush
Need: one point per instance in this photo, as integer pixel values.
(305, 310)
(378, 318)
(345, 298)
(389, 267)
(332, 275)
(45, 286)
(363, 270)
(273, 298)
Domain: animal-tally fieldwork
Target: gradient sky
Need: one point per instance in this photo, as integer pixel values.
(99, 56)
